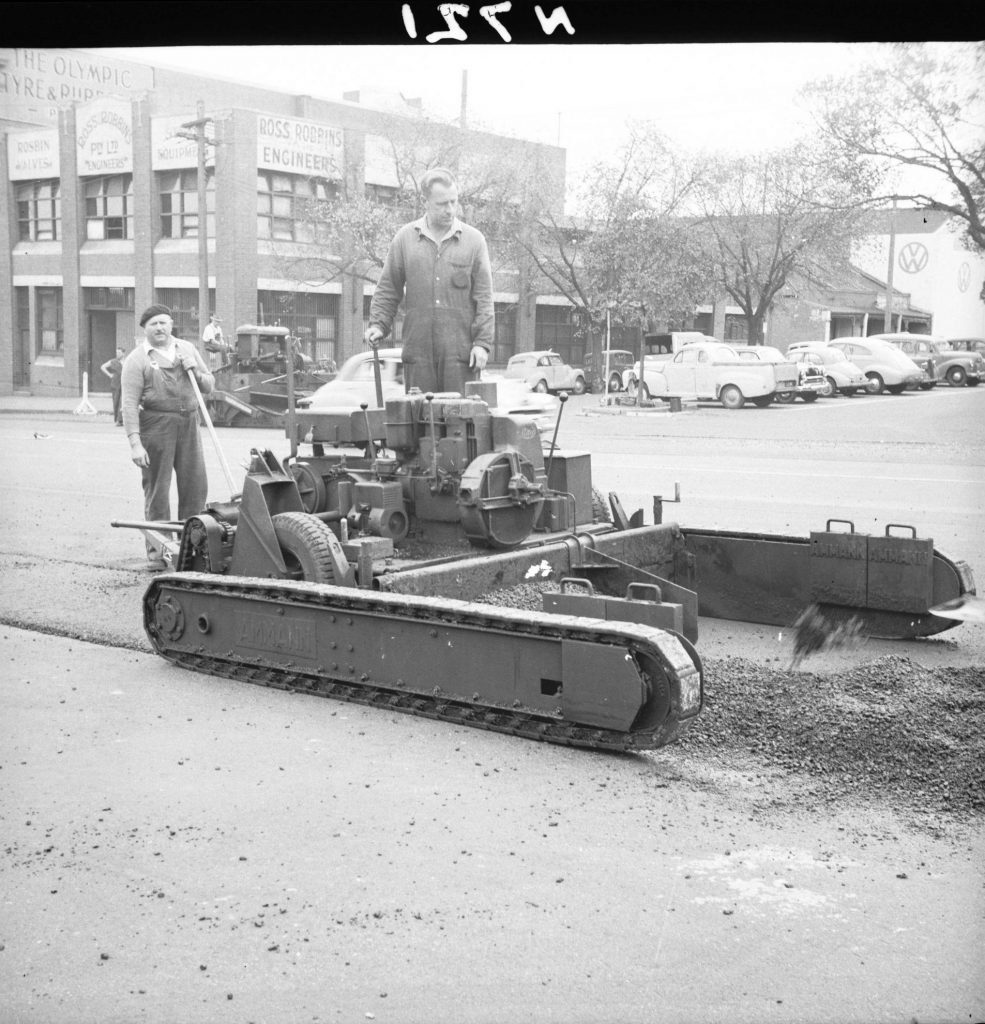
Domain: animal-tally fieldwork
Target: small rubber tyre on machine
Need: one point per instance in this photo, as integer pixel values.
(306, 549)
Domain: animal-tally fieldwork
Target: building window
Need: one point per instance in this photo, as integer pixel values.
(22, 332)
(284, 205)
(109, 207)
(183, 303)
(310, 317)
(557, 329)
(39, 211)
(736, 328)
(504, 341)
(179, 203)
(109, 298)
(50, 330)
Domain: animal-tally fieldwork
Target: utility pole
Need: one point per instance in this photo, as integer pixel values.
(463, 119)
(889, 270)
(195, 130)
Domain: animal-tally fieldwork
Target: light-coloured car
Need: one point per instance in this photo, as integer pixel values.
(935, 355)
(356, 383)
(810, 380)
(840, 375)
(884, 366)
(546, 371)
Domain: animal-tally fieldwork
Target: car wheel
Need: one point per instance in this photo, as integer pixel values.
(973, 382)
(615, 383)
(896, 389)
(849, 392)
(876, 384)
(810, 396)
(956, 377)
(928, 386)
(578, 388)
(541, 387)
(762, 401)
(829, 387)
(786, 397)
(632, 387)
(731, 397)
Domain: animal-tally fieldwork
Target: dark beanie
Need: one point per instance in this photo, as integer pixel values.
(151, 311)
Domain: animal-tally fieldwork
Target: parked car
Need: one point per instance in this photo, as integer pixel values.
(840, 375)
(711, 371)
(660, 348)
(545, 371)
(967, 344)
(356, 383)
(810, 379)
(885, 367)
(595, 368)
(935, 355)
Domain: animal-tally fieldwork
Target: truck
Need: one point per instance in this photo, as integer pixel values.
(659, 348)
(712, 371)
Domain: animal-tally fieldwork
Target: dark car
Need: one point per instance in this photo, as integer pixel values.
(595, 368)
(940, 358)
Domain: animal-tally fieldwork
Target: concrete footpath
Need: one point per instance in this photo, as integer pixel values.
(184, 848)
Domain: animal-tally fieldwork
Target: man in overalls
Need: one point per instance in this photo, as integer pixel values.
(440, 268)
(160, 418)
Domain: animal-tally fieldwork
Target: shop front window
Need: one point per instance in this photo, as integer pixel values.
(179, 203)
(311, 318)
(557, 329)
(39, 211)
(504, 341)
(109, 208)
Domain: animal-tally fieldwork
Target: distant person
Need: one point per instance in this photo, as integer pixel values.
(215, 344)
(113, 368)
(160, 417)
(440, 268)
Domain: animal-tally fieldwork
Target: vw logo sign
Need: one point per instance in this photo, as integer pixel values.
(913, 257)
(964, 277)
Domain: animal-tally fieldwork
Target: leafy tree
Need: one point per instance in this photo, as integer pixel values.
(353, 228)
(918, 116)
(769, 218)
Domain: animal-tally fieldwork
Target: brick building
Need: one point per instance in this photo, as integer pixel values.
(101, 218)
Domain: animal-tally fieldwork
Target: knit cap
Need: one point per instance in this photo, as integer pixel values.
(151, 311)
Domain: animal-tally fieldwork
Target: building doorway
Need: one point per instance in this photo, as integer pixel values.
(102, 346)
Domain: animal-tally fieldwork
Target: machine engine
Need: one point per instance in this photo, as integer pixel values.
(445, 466)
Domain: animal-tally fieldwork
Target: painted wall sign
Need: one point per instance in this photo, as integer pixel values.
(299, 147)
(104, 136)
(913, 257)
(33, 155)
(35, 83)
(168, 152)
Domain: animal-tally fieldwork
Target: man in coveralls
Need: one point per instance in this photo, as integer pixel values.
(440, 267)
(160, 417)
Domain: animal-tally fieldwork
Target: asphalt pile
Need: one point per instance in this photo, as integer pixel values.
(888, 728)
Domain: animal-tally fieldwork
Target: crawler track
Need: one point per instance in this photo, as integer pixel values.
(433, 658)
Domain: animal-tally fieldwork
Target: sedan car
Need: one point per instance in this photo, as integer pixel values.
(884, 366)
(810, 380)
(936, 356)
(619, 360)
(356, 384)
(840, 375)
(546, 371)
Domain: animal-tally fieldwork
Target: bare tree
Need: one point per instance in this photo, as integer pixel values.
(626, 253)
(768, 217)
(919, 117)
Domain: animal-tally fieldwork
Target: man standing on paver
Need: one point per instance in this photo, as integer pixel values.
(440, 268)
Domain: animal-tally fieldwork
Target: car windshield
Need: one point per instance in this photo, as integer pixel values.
(363, 370)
